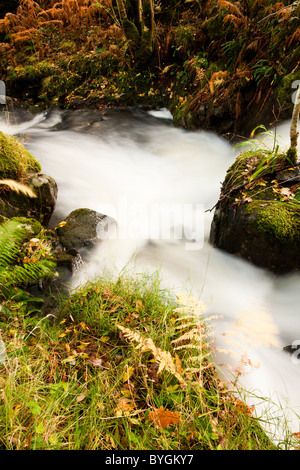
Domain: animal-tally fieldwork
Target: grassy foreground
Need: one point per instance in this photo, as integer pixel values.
(121, 368)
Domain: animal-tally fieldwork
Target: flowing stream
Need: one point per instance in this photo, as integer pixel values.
(131, 161)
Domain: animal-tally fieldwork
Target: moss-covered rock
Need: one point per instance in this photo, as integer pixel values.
(83, 229)
(258, 218)
(15, 161)
(17, 204)
(287, 86)
(32, 226)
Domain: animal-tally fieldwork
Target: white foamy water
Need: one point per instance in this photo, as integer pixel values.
(141, 159)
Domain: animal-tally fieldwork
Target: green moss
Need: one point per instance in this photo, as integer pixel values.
(132, 33)
(34, 71)
(278, 219)
(287, 87)
(32, 225)
(253, 165)
(213, 27)
(15, 161)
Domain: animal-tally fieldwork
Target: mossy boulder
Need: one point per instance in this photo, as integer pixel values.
(17, 204)
(258, 218)
(32, 226)
(83, 229)
(17, 163)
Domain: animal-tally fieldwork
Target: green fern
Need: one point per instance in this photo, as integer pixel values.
(12, 236)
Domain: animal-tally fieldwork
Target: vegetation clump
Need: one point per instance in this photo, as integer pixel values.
(15, 161)
(219, 64)
(257, 216)
(122, 367)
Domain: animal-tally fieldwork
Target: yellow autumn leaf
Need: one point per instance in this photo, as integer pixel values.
(61, 224)
(84, 326)
(126, 393)
(172, 388)
(139, 305)
(17, 408)
(69, 360)
(127, 373)
(104, 339)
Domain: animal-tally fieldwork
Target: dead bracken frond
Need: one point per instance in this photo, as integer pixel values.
(18, 187)
(294, 38)
(164, 358)
(217, 79)
(252, 328)
(197, 73)
(233, 19)
(231, 7)
(196, 335)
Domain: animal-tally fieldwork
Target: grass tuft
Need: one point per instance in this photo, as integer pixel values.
(116, 371)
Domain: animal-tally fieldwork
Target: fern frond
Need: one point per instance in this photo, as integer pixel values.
(233, 19)
(18, 187)
(164, 358)
(30, 272)
(12, 235)
(234, 9)
(196, 337)
(217, 78)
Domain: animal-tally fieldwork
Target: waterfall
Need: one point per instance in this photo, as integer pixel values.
(124, 164)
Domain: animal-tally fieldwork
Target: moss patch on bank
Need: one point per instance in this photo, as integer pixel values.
(279, 220)
(15, 161)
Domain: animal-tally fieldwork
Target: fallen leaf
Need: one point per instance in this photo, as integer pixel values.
(104, 339)
(287, 192)
(69, 360)
(40, 428)
(84, 326)
(61, 224)
(139, 305)
(80, 397)
(127, 373)
(164, 418)
(124, 407)
(96, 361)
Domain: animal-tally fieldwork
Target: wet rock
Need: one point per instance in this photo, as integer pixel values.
(289, 176)
(292, 348)
(56, 289)
(17, 204)
(83, 229)
(259, 222)
(18, 165)
(15, 161)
